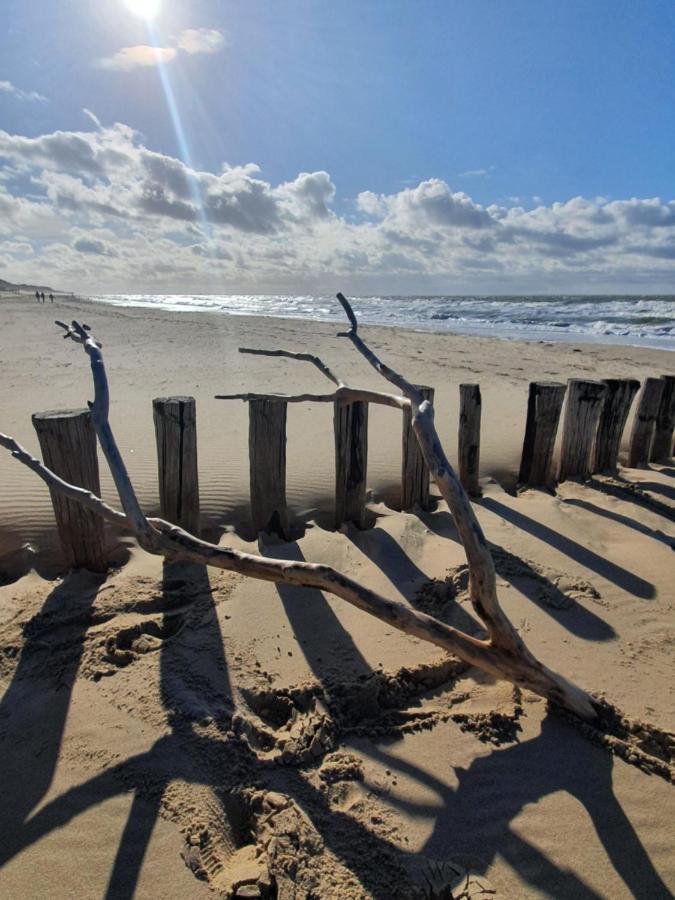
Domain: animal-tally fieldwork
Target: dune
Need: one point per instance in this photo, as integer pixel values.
(171, 731)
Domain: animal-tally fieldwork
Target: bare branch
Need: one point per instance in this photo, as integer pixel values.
(99, 417)
(343, 394)
(303, 357)
(286, 398)
(408, 390)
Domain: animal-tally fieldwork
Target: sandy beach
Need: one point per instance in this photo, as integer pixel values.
(176, 732)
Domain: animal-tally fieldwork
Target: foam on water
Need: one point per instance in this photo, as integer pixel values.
(636, 320)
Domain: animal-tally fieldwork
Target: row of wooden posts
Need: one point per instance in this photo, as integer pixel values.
(595, 417)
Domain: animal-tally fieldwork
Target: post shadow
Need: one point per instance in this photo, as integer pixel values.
(392, 560)
(586, 557)
(582, 622)
(39, 696)
(656, 487)
(326, 644)
(623, 520)
(186, 700)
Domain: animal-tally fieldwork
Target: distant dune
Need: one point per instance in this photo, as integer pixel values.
(9, 287)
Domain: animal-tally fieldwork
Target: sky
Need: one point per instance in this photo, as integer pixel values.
(378, 146)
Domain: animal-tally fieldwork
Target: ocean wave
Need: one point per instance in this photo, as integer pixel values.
(640, 320)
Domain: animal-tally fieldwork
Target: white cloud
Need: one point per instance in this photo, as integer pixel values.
(141, 56)
(92, 117)
(201, 40)
(477, 173)
(6, 87)
(106, 212)
(191, 41)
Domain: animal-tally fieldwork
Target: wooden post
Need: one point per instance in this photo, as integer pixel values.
(350, 421)
(176, 434)
(414, 471)
(644, 424)
(618, 399)
(582, 413)
(544, 404)
(469, 437)
(267, 458)
(68, 445)
(662, 447)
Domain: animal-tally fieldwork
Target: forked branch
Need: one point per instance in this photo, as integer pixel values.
(503, 655)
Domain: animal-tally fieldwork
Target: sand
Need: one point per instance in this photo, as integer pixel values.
(175, 732)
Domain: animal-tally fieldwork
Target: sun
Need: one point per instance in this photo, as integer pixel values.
(144, 9)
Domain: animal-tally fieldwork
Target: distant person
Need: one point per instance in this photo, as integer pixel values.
(51, 298)
(37, 296)
(42, 296)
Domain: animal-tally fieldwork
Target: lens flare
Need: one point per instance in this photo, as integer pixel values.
(144, 9)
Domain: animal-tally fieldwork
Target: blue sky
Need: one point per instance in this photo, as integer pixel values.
(445, 142)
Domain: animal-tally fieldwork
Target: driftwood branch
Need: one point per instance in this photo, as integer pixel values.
(343, 394)
(505, 652)
(303, 357)
(503, 655)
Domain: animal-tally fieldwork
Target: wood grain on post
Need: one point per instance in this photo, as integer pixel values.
(68, 445)
(544, 404)
(414, 471)
(350, 421)
(662, 447)
(176, 434)
(644, 424)
(616, 406)
(267, 459)
(582, 414)
(469, 437)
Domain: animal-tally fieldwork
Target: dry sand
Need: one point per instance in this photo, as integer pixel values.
(177, 733)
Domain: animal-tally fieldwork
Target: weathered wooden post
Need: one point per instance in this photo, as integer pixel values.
(176, 435)
(469, 437)
(662, 447)
(582, 413)
(644, 424)
(414, 471)
(616, 406)
(350, 421)
(68, 445)
(544, 404)
(267, 459)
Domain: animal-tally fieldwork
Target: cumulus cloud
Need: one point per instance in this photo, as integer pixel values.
(129, 58)
(105, 210)
(201, 40)
(6, 87)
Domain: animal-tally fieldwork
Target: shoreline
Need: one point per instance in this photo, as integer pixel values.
(503, 334)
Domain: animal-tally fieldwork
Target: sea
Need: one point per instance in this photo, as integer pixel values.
(642, 321)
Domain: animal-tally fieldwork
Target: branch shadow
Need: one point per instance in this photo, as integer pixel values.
(557, 760)
(603, 567)
(496, 788)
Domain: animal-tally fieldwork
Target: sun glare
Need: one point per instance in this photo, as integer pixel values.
(144, 9)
